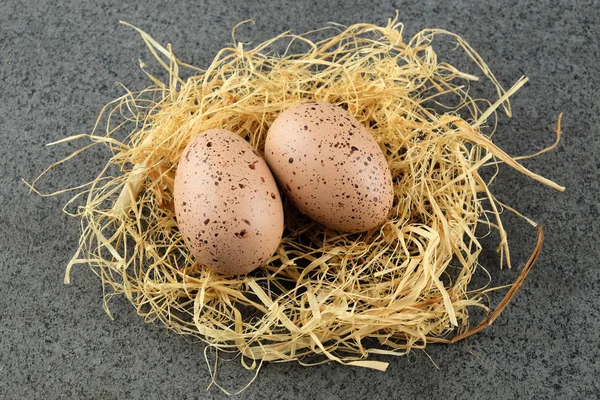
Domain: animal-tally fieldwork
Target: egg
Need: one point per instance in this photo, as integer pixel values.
(227, 203)
(330, 166)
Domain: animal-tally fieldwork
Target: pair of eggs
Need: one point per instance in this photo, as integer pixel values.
(227, 202)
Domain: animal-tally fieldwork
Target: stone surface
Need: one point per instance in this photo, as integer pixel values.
(58, 66)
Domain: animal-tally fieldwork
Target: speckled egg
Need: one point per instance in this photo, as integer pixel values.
(330, 167)
(228, 207)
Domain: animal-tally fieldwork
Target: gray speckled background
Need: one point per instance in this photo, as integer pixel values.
(58, 67)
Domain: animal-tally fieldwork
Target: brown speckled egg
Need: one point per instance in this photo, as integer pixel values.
(330, 167)
(228, 207)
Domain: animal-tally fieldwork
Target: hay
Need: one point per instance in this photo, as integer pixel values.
(323, 293)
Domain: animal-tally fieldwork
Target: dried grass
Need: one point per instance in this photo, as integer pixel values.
(323, 293)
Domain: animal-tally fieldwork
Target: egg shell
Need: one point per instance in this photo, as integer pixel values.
(330, 166)
(227, 203)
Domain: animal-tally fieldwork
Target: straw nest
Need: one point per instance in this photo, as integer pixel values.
(338, 296)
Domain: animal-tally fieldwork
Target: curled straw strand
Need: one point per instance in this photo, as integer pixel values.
(404, 285)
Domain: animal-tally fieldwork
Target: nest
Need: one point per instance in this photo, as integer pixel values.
(340, 297)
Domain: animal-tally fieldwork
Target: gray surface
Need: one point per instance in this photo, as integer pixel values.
(59, 65)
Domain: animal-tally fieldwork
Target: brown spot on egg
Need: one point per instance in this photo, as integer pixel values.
(243, 234)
